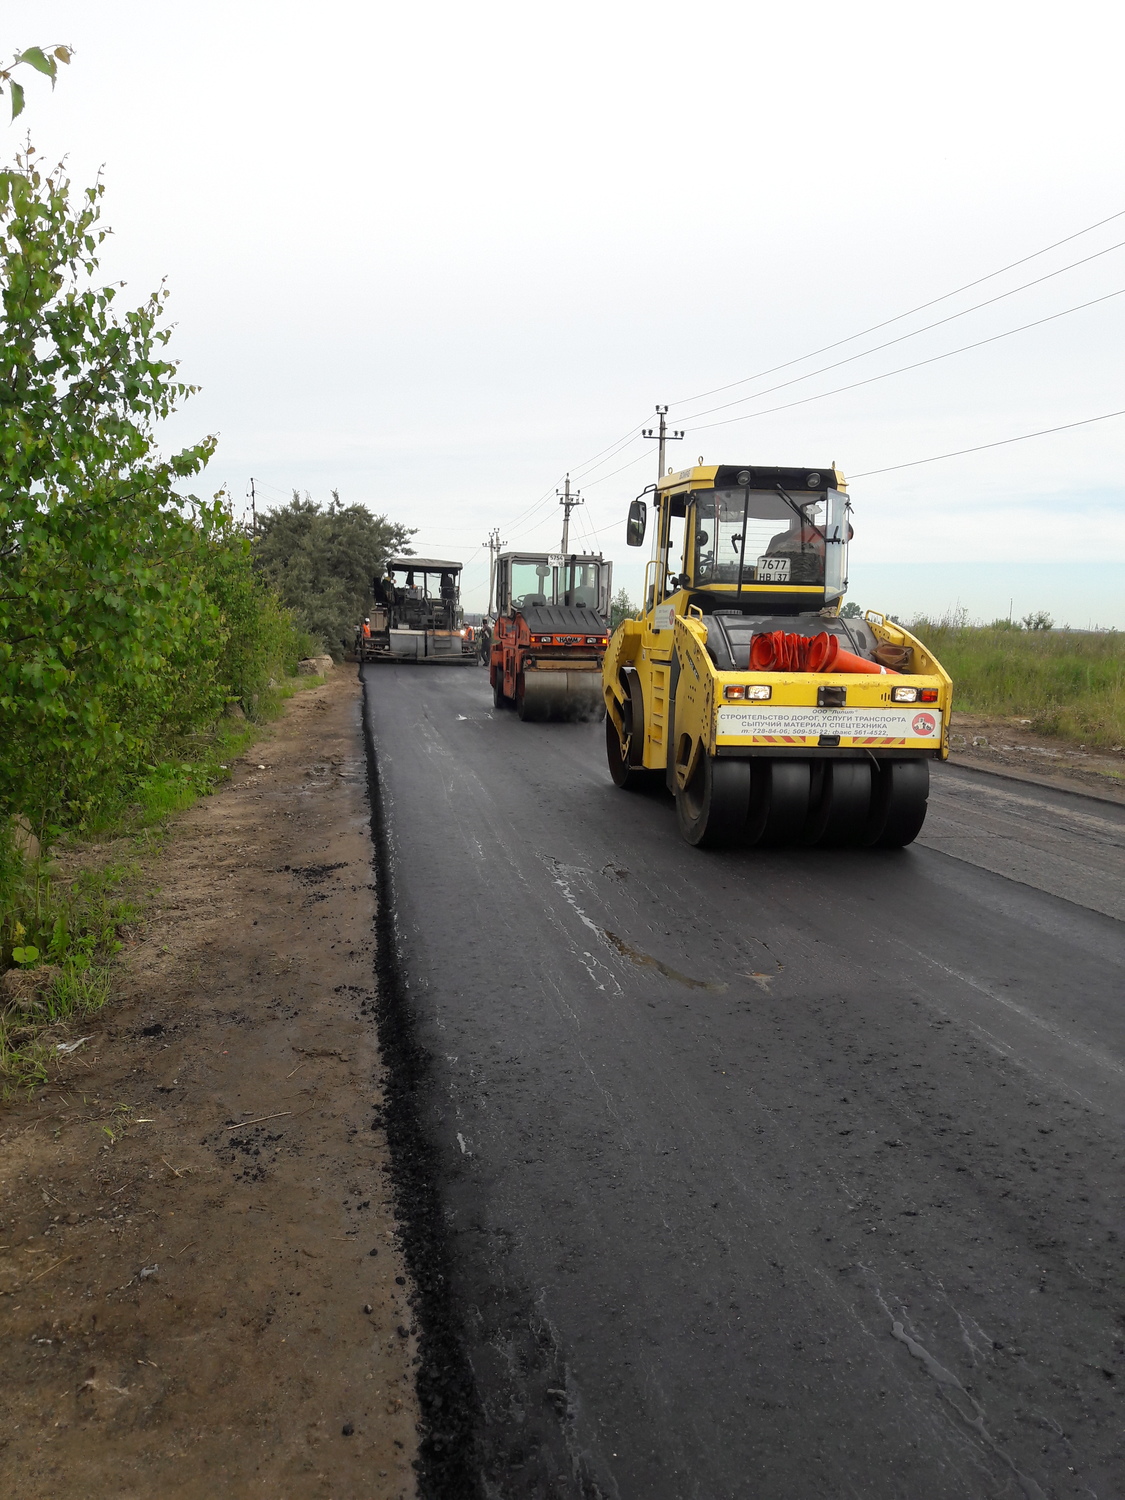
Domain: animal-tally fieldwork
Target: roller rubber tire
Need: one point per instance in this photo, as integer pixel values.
(499, 699)
(629, 778)
(840, 812)
(898, 803)
(712, 809)
(634, 720)
(779, 802)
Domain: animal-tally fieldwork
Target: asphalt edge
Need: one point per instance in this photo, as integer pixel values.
(1028, 778)
(450, 1413)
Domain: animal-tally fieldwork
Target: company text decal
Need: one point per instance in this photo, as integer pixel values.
(875, 724)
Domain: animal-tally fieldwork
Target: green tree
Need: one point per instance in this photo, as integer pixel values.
(321, 561)
(621, 607)
(851, 611)
(102, 578)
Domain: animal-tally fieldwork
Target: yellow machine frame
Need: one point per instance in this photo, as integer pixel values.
(669, 707)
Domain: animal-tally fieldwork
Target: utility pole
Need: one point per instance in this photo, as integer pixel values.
(568, 502)
(253, 508)
(662, 436)
(494, 545)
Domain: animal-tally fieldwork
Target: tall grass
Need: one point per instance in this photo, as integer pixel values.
(64, 928)
(1067, 683)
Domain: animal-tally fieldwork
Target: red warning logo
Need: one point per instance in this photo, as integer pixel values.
(923, 725)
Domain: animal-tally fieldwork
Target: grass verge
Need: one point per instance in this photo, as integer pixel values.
(65, 915)
(1068, 683)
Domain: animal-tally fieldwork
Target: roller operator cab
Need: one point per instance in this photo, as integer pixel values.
(550, 634)
(771, 718)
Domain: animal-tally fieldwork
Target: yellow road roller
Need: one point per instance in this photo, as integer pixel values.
(770, 717)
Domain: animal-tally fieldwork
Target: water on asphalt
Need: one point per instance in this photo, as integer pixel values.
(765, 1173)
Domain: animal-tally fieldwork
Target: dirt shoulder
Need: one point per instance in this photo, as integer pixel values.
(989, 743)
(201, 1291)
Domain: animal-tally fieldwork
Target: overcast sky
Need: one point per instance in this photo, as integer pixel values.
(436, 255)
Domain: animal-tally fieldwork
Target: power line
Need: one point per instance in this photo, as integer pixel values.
(957, 453)
(584, 521)
(918, 364)
(536, 505)
(1000, 443)
(634, 432)
(851, 358)
(577, 470)
(824, 349)
(611, 454)
(632, 464)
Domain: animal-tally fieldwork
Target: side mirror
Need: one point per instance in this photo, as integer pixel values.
(638, 521)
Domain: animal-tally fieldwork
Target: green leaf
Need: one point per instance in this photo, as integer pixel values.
(17, 98)
(39, 61)
(26, 956)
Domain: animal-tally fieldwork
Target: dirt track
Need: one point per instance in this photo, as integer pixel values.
(183, 1297)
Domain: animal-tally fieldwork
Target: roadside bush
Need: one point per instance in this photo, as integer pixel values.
(130, 614)
(98, 595)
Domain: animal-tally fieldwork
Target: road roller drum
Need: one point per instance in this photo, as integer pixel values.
(543, 694)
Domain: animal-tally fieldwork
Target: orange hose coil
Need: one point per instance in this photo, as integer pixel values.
(777, 652)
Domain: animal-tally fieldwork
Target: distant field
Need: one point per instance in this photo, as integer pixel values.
(1066, 683)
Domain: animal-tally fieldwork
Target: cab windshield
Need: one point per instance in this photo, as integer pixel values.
(579, 585)
(417, 583)
(538, 582)
(776, 542)
(531, 584)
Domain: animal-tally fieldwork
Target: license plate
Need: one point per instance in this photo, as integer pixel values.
(772, 570)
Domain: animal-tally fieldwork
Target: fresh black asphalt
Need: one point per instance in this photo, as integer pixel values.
(756, 1174)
